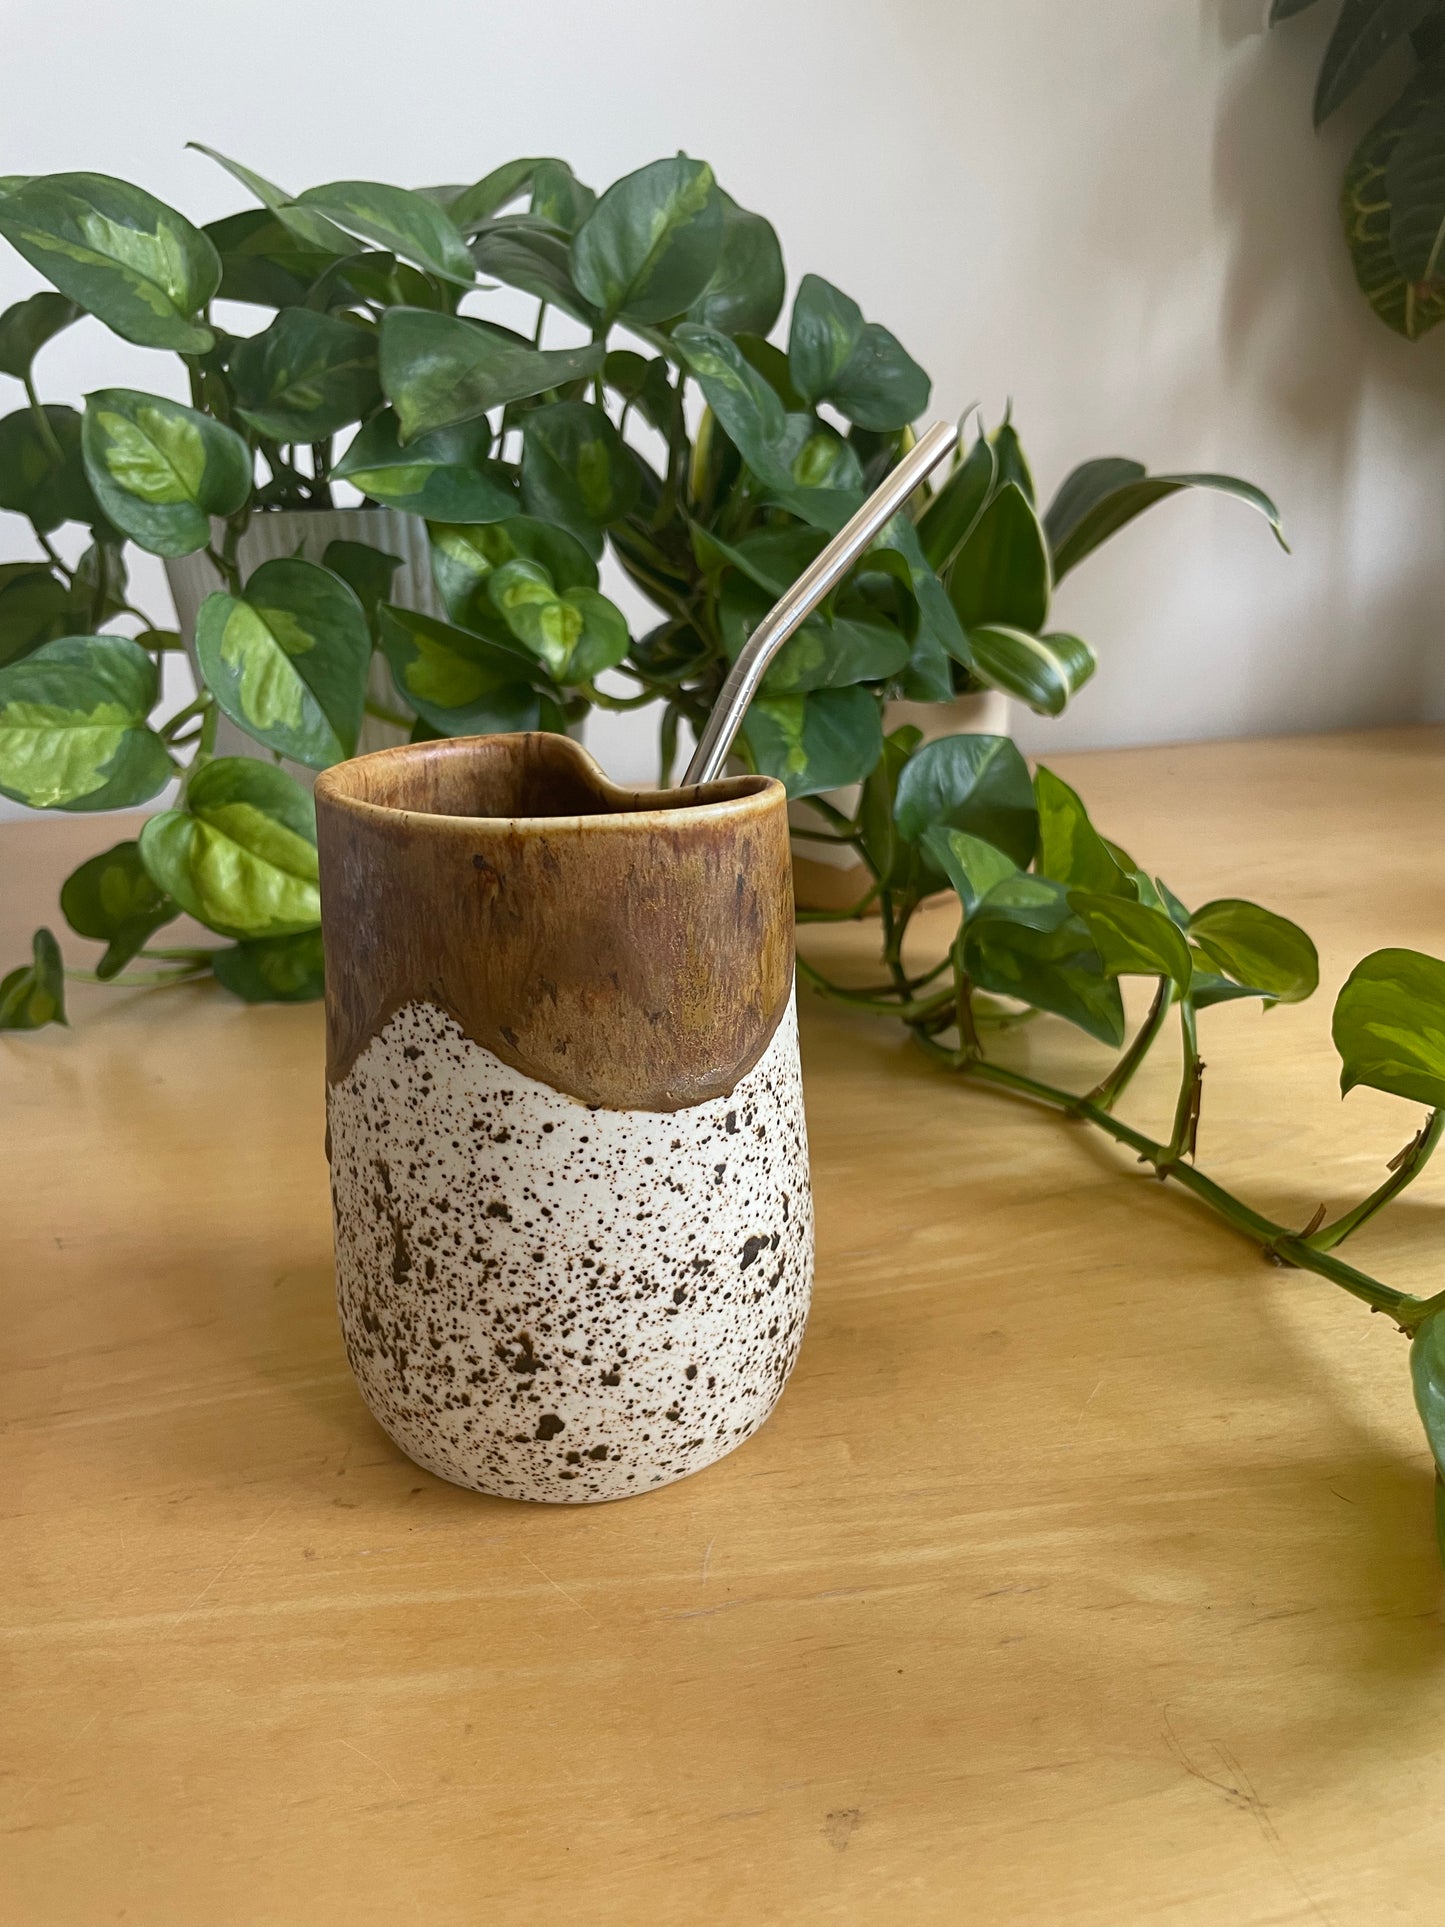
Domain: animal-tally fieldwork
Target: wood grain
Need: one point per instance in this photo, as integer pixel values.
(1084, 1574)
(632, 949)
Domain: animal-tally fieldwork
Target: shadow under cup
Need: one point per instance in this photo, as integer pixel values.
(574, 1235)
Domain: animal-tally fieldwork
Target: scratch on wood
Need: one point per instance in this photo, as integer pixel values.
(224, 1567)
(562, 1589)
(376, 1763)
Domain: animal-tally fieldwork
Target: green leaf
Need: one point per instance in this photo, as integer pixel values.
(558, 197)
(240, 857)
(375, 277)
(771, 558)
(1258, 949)
(643, 382)
(1001, 574)
(751, 413)
(437, 369)
(744, 294)
(1098, 498)
(1013, 465)
(274, 970)
(35, 607)
(1411, 308)
(161, 471)
(367, 571)
(113, 898)
(463, 559)
(1427, 1375)
(314, 230)
(1389, 1026)
(1024, 941)
(742, 399)
(1133, 939)
(471, 206)
(1042, 671)
(445, 476)
(73, 733)
(1365, 30)
(860, 368)
(99, 582)
(650, 246)
(1415, 188)
(460, 683)
(287, 660)
(576, 470)
(854, 645)
(1071, 851)
(818, 742)
(263, 262)
(125, 257)
(26, 326)
(535, 258)
(574, 633)
(974, 783)
(43, 476)
(952, 514)
(972, 866)
(887, 851)
(306, 376)
(771, 363)
(34, 994)
(396, 219)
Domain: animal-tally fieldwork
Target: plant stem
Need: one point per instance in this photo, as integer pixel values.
(54, 557)
(837, 916)
(198, 707)
(1107, 1092)
(1404, 1168)
(226, 570)
(384, 715)
(963, 999)
(1191, 1087)
(1275, 1239)
(42, 420)
(157, 980)
(911, 1010)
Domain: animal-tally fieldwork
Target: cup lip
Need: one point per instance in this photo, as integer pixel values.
(729, 796)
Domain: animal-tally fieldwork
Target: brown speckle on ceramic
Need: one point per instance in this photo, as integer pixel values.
(548, 1300)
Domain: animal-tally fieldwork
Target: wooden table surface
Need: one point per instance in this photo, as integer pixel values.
(1085, 1573)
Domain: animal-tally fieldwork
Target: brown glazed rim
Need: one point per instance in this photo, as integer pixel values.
(634, 950)
(343, 785)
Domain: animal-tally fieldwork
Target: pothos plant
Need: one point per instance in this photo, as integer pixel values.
(526, 462)
(1392, 198)
(667, 425)
(1053, 915)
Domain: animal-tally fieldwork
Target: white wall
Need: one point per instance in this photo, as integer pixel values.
(1115, 213)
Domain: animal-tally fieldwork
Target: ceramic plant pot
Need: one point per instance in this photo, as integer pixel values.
(831, 879)
(307, 533)
(574, 1236)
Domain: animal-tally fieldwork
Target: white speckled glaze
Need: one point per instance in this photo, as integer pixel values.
(544, 1299)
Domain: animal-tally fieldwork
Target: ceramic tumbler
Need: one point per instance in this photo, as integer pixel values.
(574, 1233)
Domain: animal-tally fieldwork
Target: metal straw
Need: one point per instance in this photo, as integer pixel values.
(804, 596)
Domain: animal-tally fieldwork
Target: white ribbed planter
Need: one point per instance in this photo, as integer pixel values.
(307, 532)
(826, 878)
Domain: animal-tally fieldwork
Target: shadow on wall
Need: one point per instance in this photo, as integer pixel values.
(1361, 405)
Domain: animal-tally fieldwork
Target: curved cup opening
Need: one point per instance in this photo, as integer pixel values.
(528, 775)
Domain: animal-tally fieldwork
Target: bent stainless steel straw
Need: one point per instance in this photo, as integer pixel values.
(805, 595)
